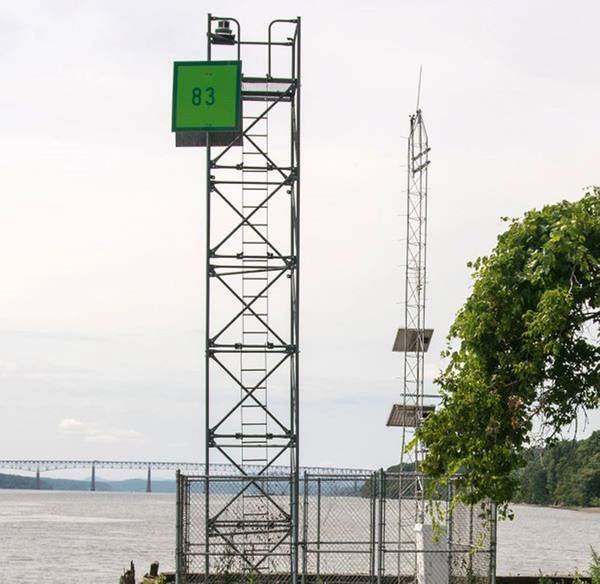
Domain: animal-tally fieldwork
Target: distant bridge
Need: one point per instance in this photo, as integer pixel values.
(192, 468)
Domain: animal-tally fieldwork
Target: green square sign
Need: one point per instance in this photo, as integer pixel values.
(206, 96)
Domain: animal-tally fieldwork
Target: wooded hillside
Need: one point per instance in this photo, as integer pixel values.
(567, 473)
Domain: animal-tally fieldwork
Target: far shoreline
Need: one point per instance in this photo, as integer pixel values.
(592, 510)
(560, 507)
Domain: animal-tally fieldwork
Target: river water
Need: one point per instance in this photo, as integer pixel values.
(73, 537)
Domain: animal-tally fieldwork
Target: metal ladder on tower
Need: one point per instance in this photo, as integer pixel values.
(255, 278)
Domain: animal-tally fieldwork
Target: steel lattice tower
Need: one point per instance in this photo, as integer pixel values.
(252, 295)
(413, 341)
(417, 337)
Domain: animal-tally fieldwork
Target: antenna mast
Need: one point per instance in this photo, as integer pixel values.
(413, 341)
(416, 336)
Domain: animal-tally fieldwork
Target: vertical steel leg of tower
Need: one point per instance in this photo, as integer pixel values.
(252, 316)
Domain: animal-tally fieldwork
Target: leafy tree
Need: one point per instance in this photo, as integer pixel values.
(566, 473)
(523, 348)
(533, 480)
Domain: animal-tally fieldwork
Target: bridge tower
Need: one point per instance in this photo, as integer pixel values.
(252, 291)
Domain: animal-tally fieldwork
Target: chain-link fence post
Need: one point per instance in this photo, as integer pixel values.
(372, 530)
(493, 535)
(304, 527)
(206, 527)
(471, 546)
(319, 529)
(381, 525)
(178, 527)
(450, 525)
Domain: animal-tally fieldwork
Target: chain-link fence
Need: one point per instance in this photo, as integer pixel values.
(350, 529)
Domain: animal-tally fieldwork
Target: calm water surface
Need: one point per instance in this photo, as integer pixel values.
(71, 537)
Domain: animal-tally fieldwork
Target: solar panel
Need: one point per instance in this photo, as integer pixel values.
(407, 416)
(408, 340)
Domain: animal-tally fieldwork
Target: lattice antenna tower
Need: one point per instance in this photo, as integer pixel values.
(416, 336)
(413, 339)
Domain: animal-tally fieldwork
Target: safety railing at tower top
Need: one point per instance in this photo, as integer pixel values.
(353, 529)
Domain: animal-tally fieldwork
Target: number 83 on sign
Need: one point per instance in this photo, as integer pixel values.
(206, 96)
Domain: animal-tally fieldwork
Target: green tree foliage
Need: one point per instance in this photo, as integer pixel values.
(523, 349)
(391, 486)
(595, 566)
(567, 473)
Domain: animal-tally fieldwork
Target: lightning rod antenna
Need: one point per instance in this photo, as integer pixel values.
(419, 88)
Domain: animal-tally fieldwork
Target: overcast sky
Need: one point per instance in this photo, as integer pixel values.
(101, 217)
